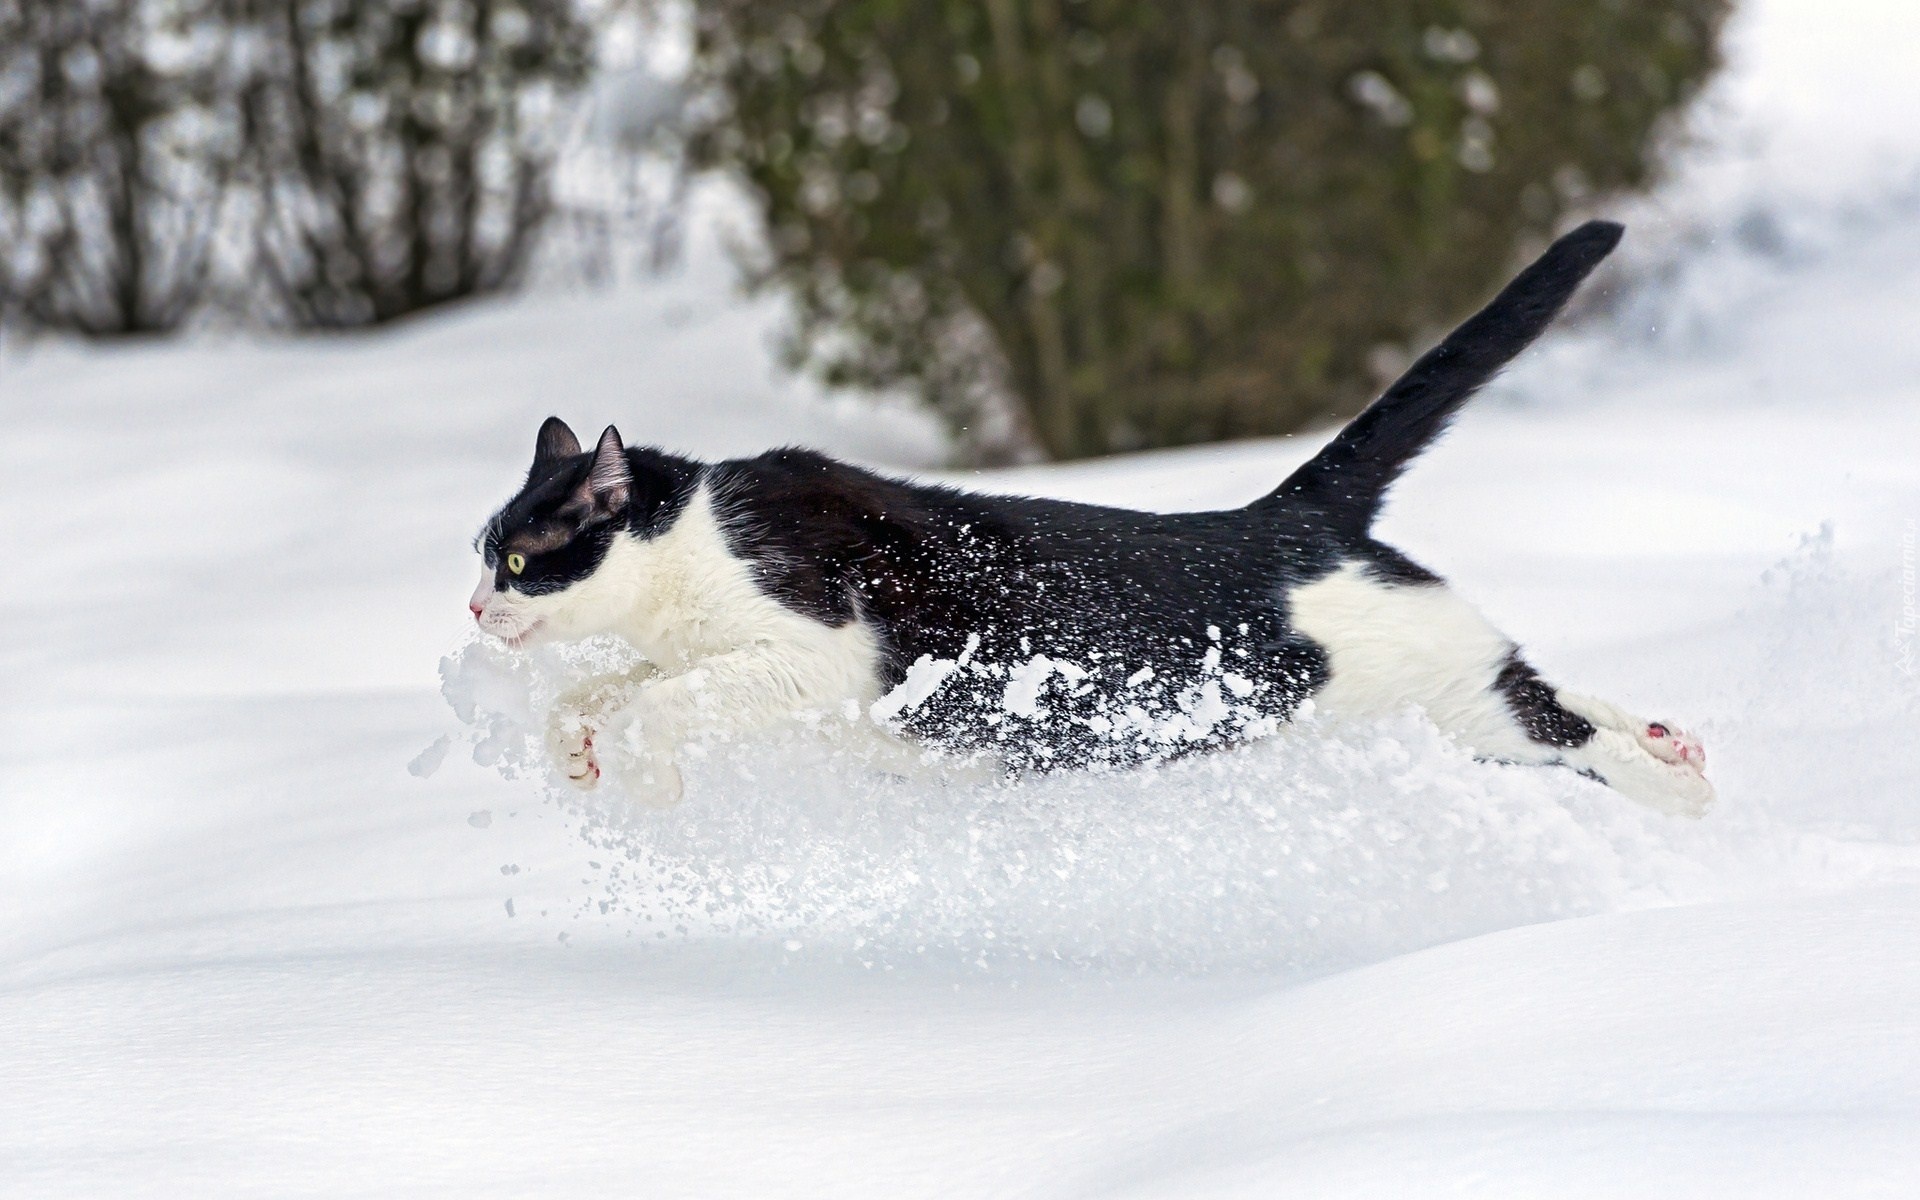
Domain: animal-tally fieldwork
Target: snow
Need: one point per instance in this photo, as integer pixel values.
(281, 921)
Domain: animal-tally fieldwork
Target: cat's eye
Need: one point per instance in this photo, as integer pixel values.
(516, 563)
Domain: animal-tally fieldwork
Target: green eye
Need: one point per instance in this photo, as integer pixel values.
(516, 563)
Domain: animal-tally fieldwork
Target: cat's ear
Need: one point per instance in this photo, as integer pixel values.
(609, 482)
(555, 442)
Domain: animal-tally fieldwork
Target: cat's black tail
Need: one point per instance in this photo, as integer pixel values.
(1341, 488)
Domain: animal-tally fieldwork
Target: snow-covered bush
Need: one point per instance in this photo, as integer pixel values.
(119, 132)
(346, 163)
(403, 151)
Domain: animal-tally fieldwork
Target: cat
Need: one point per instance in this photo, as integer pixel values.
(1040, 634)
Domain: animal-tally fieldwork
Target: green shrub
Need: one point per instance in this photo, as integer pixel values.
(1155, 223)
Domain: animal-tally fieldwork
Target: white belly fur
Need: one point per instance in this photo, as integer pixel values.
(1390, 645)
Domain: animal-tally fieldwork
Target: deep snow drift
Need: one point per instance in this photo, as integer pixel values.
(247, 950)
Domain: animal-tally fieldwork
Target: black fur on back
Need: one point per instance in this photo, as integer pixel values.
(998, 580)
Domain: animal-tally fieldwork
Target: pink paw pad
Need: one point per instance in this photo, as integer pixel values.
(1677, 747)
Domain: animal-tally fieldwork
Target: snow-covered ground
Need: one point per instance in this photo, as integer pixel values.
(267, 927)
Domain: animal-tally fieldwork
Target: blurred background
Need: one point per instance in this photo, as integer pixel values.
(1063, 227)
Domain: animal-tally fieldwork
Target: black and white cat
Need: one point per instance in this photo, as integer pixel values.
(1038, 632)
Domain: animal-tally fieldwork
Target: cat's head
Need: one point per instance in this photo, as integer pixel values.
(544, 555)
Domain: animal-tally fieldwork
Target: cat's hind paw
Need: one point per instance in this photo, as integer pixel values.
(1662, 770)
(1670, 744)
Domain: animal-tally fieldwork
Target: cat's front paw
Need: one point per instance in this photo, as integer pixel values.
(570, 735)
(581, 717)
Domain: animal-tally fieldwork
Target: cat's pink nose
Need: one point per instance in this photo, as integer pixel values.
(476, 610)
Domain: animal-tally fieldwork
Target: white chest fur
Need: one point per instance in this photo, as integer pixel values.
(684, 598)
